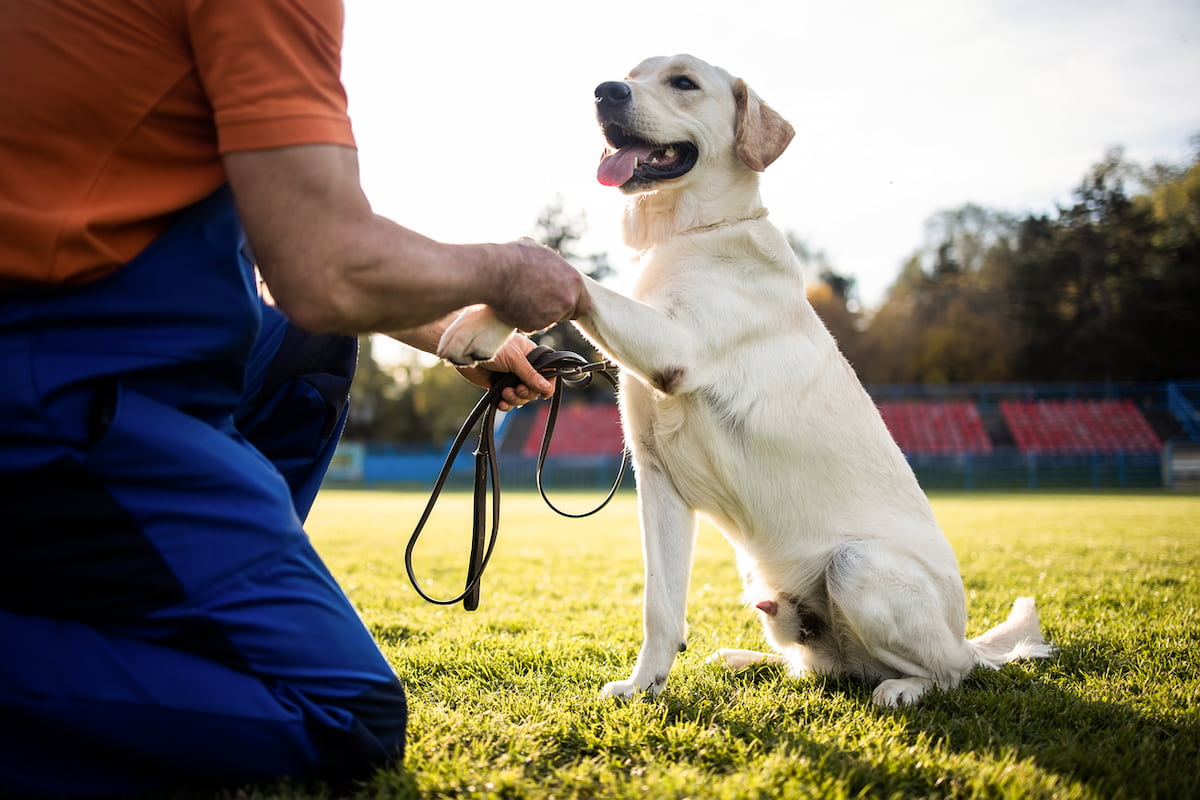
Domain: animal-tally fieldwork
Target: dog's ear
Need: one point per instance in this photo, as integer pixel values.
(762, 135)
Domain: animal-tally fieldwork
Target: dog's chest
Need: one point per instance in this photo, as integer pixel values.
(689, 440)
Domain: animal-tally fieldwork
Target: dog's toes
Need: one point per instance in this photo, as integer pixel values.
(633, 686)
(475, 336)
(900, 692)
(459, 350)
(468, 359)
(619, 689)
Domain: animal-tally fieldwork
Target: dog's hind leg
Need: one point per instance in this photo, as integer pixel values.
(668, 537)
(906, 618)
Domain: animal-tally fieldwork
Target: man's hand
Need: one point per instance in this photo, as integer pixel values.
(540, 290)
(511, 358)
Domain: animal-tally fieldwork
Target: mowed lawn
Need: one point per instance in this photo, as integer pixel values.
(504, 701)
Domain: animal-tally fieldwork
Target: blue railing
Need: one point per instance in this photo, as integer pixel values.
(1005, 467)
(1183, 410)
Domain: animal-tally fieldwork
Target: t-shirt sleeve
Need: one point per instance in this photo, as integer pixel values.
(272, 71)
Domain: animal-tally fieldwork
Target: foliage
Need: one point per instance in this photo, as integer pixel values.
(1085, 287)
(383, 403)
(504, 701)
(561, 232)
(1106, 289)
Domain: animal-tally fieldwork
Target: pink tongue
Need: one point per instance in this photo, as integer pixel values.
(617, 169)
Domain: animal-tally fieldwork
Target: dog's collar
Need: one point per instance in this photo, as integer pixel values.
(756, 215)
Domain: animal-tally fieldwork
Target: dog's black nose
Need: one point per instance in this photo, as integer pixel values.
(612, 93)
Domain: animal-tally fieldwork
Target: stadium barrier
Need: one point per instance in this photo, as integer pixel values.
(1003, 468)
(1096, 436)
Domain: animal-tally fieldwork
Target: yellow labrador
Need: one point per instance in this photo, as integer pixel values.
(738, 407)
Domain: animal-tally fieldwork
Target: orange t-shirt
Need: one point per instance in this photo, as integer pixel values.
(114, 115)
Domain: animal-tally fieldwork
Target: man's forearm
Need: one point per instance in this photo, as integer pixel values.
(334, 265)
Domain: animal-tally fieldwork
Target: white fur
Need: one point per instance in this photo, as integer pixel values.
(738, 407)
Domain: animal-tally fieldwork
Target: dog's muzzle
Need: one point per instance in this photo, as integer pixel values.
(633, 163)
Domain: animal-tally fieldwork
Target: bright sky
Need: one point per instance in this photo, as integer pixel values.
(473, 115)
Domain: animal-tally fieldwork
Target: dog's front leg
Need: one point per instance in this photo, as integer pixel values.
(645, 340)
(668, 536)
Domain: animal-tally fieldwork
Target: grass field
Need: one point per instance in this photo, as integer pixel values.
(504, 701)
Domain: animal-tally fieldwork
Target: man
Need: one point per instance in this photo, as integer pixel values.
(164, 620)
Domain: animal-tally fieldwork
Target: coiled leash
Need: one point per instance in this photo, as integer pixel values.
(571, 371)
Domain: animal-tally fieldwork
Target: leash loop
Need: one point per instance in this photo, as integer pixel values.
(570, 370)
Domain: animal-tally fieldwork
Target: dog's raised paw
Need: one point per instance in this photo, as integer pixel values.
(475, 336)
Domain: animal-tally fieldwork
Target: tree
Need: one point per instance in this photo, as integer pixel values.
(381, 400)
(832, 295)
(957, 240)
(1103, 292)
(561, 232)
(943, 319)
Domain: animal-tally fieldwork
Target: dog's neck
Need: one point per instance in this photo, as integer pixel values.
(655, 217)
(752, 216)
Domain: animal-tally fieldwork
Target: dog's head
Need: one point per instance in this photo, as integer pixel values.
(677, 115)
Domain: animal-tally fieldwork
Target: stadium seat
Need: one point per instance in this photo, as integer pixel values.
(1076, 427)
(936, 428)
(582, 430)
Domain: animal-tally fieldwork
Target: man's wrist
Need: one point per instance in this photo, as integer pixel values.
(496, 274)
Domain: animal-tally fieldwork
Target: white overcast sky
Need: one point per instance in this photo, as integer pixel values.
(472, 115)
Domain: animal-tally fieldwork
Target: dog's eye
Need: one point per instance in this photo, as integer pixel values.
(683, 84)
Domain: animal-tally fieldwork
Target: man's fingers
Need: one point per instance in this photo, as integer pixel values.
(533, 380)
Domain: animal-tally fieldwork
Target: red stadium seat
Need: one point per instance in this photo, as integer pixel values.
(934, 428)
(582, 430)
(1075, 427)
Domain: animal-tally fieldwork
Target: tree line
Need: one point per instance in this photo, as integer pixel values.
(1106, 288)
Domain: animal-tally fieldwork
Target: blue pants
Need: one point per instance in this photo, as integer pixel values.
(164, 621)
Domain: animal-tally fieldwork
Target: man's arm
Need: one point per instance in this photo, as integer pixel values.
(334, 265)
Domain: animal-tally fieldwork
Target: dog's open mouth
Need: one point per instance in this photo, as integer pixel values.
(630, 158)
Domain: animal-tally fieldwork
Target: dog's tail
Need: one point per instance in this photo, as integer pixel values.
(1018, 637)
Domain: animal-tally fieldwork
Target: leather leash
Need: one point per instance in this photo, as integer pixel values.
(570, 370)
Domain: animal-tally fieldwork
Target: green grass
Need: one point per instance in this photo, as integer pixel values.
(504, 701)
